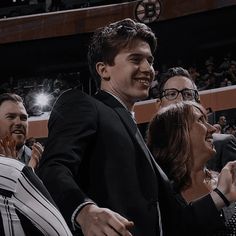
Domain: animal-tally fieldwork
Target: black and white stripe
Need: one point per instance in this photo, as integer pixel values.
(23, 198)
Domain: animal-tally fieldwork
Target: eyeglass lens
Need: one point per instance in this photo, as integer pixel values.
(187, 94)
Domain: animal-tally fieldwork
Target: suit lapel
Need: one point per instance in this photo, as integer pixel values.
(131, 127)
(133, 131)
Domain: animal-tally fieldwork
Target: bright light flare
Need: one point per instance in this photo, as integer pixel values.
(42, 99)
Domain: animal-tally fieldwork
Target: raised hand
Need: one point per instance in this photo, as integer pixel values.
(37, 150)
(227, 181)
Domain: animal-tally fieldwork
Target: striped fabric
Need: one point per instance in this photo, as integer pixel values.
(25, 208)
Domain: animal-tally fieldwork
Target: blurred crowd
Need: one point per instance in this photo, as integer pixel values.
(208, 74)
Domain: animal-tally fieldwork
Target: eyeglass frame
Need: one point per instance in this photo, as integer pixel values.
(195, 97)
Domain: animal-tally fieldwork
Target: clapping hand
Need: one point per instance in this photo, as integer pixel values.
(227, 181)
(37, 150)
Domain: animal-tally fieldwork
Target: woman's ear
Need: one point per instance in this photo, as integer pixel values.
(101, 68)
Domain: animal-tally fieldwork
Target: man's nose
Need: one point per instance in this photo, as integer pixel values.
(211, 128)
(145, 66)
(180, 97)
(17, 120)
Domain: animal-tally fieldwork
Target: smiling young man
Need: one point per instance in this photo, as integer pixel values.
(96, 164)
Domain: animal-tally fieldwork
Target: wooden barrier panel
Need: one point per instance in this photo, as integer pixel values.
(218, 99)
(63, 23)
(86, 20)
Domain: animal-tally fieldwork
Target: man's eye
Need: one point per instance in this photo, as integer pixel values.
(24, 118)
(171, 94)
(10, 117)
(188, 94)
(135, 60)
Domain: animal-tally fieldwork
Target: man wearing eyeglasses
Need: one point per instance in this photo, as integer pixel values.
(177, 85)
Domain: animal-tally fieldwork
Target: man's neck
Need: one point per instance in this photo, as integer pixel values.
(126, 105)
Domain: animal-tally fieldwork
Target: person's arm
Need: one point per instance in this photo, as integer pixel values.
(226, 185)
(72, 127)
(203, 215)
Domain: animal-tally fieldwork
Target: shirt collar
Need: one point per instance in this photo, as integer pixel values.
(20, 152)
(132, 113)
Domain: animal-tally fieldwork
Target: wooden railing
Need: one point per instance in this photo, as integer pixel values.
(218, 99)
(63, 23)
(85, 20)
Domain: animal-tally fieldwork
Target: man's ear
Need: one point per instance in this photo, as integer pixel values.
(102, 70)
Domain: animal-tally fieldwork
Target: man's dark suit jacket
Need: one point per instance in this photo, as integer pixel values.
(225, 145)
(94, 151)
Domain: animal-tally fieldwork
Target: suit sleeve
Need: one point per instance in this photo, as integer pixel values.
(72, 127)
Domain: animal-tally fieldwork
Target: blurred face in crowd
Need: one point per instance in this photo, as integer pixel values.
(201, 137)
(13, 121)
(132, 73)
(218, 128)
(173, 86)
(222, 120)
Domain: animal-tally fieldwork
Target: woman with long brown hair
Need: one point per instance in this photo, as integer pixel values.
(180, 138)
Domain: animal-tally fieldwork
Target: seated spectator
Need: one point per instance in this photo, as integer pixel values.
(226, 63)
(226, 82)
(230, 129)
(14, 123)
(26, 207)
(211, 75)
(222, 121)
(210, 82)
(194, 73)
(181, 141)
(230, 74)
